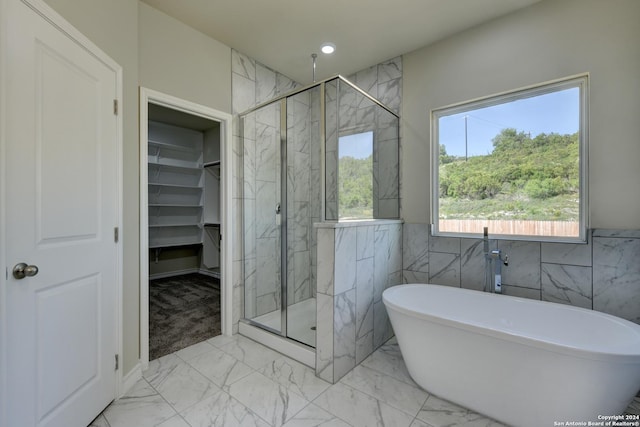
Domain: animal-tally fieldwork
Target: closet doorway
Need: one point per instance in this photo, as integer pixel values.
(185, 262)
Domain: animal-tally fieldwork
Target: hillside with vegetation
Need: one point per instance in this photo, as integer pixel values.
(522, 178)
(355, 187)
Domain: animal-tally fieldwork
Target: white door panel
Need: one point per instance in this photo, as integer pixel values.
(61, 209)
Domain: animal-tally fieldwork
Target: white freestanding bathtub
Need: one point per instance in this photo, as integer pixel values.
(519, 361)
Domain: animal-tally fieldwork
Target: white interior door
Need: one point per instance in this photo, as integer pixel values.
(61, 207)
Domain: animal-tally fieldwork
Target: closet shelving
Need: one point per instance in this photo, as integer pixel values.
(176, 186)
(184, 189)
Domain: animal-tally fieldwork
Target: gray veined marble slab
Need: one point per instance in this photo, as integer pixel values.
(221, 410)
(344, 338)
(175, 421)
(364, 245)
(567, 284)
(390, 70)
(387, 359)
(243, 65)
(441, 413)
(324, 337)
(100, 421)
(524, 263)
(221, 368)
(616, 277)
(297, 377)
(360, 409)
(182, 386)
(169, 361)
(345, 259)
(415, 247)
(265, 84)
(386, 388)
(273, 402)
(314, 416)
(142, 406)
(364, 296)
(250, 352)
(444, 269)
(194, 350)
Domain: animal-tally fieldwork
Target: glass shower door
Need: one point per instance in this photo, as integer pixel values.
(263, 210)
(304, 197)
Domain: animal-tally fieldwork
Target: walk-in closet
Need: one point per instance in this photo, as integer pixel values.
(184, 220)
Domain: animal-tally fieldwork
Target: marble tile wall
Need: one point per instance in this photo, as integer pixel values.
(349, 112)
(351, 319)
(254, 83)
(603, 275)
(257, 175)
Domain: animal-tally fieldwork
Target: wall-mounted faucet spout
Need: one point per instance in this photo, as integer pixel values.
(496, 256)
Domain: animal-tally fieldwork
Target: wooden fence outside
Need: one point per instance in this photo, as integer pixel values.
(521, 227)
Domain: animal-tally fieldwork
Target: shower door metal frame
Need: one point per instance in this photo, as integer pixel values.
(282, 99)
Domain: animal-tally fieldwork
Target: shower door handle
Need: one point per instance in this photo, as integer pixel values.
(278, 216)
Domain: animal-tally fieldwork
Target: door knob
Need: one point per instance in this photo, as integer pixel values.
(22, 270)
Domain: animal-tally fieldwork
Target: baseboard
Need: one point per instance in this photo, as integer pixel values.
(130, 379)
(203, 271)
(173, 273)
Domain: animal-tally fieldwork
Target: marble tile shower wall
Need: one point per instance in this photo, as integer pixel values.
(252, 84)
(603, 275)
(351, 318)
(303, 201)
(256, 175)
(349, 112)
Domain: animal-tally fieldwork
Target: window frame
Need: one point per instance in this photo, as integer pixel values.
(580, 81)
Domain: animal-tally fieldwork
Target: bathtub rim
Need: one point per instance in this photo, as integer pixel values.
(568, 350)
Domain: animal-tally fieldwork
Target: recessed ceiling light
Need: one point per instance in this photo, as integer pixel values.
(328, 48)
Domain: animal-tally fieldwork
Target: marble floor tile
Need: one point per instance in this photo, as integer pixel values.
(163, 363)
(219, 367)
(221, 410)
(387, 389)
(250, 352)
(297, 377)
(194, 350)
(314, 416)
(175, 421)
(142, 406)
(634, 407)
(100, 421)
(373, 395)
(360, 409)
(440, 413)
(182, 386)
(388, 360)
(270, 400)
(222, 340)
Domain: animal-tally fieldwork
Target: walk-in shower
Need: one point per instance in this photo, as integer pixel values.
(327, 152)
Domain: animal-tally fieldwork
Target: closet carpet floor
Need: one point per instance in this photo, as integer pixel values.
(183, 310)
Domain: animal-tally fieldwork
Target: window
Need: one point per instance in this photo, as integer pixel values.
(355, 176)
(515, 163)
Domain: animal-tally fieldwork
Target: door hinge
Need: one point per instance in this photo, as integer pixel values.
(116, 234)
(115, 107)
(117, 362)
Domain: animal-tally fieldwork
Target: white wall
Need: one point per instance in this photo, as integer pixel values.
(548, 40)
(180, 61)
(161, 53)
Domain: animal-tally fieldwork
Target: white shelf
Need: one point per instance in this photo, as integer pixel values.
(190, 187)
(195, 169)
(184, 200)
(170, 146)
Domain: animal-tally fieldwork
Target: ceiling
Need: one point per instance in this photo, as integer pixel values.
(282, 34)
